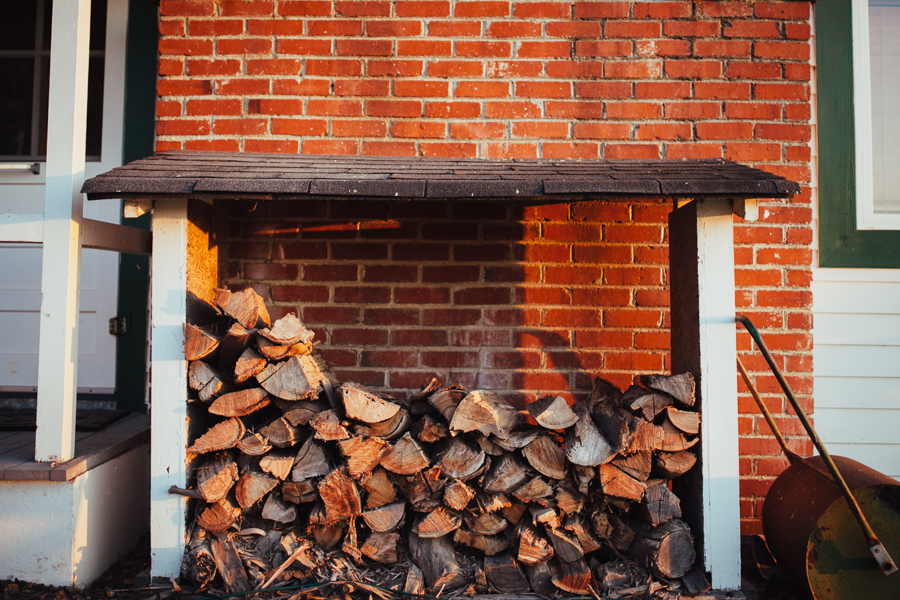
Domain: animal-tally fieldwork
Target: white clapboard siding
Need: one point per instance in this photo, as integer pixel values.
(857, 364)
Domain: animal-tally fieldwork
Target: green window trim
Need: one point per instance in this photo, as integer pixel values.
(841, 245)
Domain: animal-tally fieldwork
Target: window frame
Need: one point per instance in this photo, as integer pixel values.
(842, 242)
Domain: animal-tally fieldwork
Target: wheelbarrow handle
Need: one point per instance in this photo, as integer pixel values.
(878, 551)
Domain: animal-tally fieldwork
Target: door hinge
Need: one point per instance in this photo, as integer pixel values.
(118, 326)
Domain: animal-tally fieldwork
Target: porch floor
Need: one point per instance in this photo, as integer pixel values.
(92, 448)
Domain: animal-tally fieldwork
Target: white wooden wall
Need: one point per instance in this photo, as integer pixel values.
(857, 364)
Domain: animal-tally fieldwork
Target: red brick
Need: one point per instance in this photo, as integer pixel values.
(426, 8)
(484, 8)
(359, 87)
(418, 129)
(752, 152)
(507, 150)
(454, 29)
(187, 8)
(725, 9)
(274, 66)
(244, 8)
(394, 108)
(693, 110)
(168, 108)
(183, 127)
(173, 27)
(430, 89)
(733, 130)
(662, 89)
(633, 110)
(301, 127)
(214, 145)
(269, 271)
(362, 295)
(663, 131)
(589, 49)
(798, 72)
(723, 48)
(213, 67)
(277, 27)
(231, 106)
(783, 132)
(634, 361)
(645, 298)
(577, 29)
(478, 295)
(723, 90)
(752, 110)
(632, 276)
(663, 10)
(683, 151)
(364, 48)
(576, 109)
(333, 68)
(364, 8)
(343, 27)
(631, 151)
(691, 28)
(170, 66)
(242, 87)
(511, 69)
(184, 47)
(448, 150)
(784, 256)
(603, 131)
(241, 126)
(393, 28)
(216, 27)
(451, 316)
(601, 10)
(329, 147)
(565, 69)
(798, 153)
(540, 129)
(423, 48)
(632, 29)
(603, 89)
(272, 106)
(482, 89)
(781, 91)
(632, 233)
(790, 50)
(305, 47)
(450, 274)
(632, 70)
(394, 68)
(334, 107)
(797, 31)
(741, 70)
(781, 10)
(542, 10)
(244, 46)
(603, 253)
(519, 29)
(544, 49)
(752, 29)
(693, 69)
(452, 110)
(662, 47)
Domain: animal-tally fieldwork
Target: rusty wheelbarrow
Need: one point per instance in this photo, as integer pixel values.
(829, 521)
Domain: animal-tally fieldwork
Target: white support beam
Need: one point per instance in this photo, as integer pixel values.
(168, 373)
(63, 209)
(112, 236)
(701, 266)
(21, 228)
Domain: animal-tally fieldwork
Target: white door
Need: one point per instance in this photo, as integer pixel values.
(22, 191)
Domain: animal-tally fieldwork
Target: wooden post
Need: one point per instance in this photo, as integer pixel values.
(701, 269)
(168, 373)
(63, 210)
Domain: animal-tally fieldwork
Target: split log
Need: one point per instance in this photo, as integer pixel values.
(340, 497)
(490, 545)
(239, 403)
(278, 510)
(457, 495)
(246, 307)
(621, 534)
(673, 440)
(405, 457)
(350, 547)
(415, 580)
(695, 582)
(585, 445)
(328, 536)
(198, 343)
(254, 444)
(252, 486)
(218, 517)
(278, 464)
(328, 426)
(230, 566)
(537, 490)
(198, 564)
(534, 548)
(299, 413)
(287, 331)
(492, 502)
(363, 454)
(300, 492)
(428, 430)
(667, 549)
(489, 445)
(437, 523)
(390, 429)
(249, 364)
(618, 483)
(583, 476)
(670, 465)
(504, 575)
(615, 424)
(460, 460)
(505, 475)
(233, 344)
(275, 352)
(681, 387)
(646, 436)
(636, 465)
(579, 527)
(517, 438)
(546, 456)
(646, 402)
(446, 400)
(379, 489)
(487, 413)
(658, 504)
(286, 380)
(552, 413)
(565, 545)
(544, 515)
(215, 476)
(541, 578)
(490, 523)
(513, 512)
(385, 518)
(281, 433)
(362, 404)
(686, 421)
(311, 461)
(437, 560)
(208, 381)
(222, 436)
(382, 547)
(572, 577)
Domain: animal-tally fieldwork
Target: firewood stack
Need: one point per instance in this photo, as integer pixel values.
(300, 477)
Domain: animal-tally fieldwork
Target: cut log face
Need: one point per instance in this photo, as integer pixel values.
(580, 528)
(457, 495)
(585, 445)
(405, 457)
(198, 343)
(487, 413)
(437, 523)
(299, 413)
(437, 560)
(552, 413)
(218, 517)
(415, 580)
(229, 565)
(489, 544)
(571, 577)
(385, 518)
(565, 545)
(208, 381)
(278, 510)
(490, 523)
(281, 433)
(278, 464)
(286, 380)
(382, 547)
(287, 331)
(223, 436)
(534, 548)
(569, 500)
(681, 386)
(620, 484)
(460, 459)
(636, 465)
(390, 429)
(363, 454)
(667, 550)
(615, 425)
(239, 403)
(504, 575)
(541, 578)
(658, 504)
(362, 404)
(216, 476)
(300, 492)
(547, 457)
(646, 402)
(328, 426)
(428, 430)
(311, 461)
(379, 489)
(670, 465)
(505, 475)
(446, 400)
(537, 490)
(248, 365)
(254, 444)
(246, 307)
(252, 486)
(517, 438)
(340, 496)
(686, 421)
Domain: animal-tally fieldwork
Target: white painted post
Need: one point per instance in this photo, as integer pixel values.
(61, 272)
(168, 395)
(701, 264)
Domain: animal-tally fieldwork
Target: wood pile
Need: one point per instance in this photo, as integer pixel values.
(300, 477)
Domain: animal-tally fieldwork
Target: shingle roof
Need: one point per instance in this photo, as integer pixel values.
(292, 177)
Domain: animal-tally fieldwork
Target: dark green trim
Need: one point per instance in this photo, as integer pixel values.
(134, 270)
(840, 244)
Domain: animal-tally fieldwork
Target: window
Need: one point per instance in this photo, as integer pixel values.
(857, 61)
(25, 80)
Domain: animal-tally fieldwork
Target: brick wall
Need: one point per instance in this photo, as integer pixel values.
(493, 295)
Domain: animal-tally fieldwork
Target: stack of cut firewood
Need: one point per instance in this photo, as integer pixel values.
(294, 471)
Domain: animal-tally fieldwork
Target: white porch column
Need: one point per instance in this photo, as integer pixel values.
(168, 396)
(701, 268)
(63, 210)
